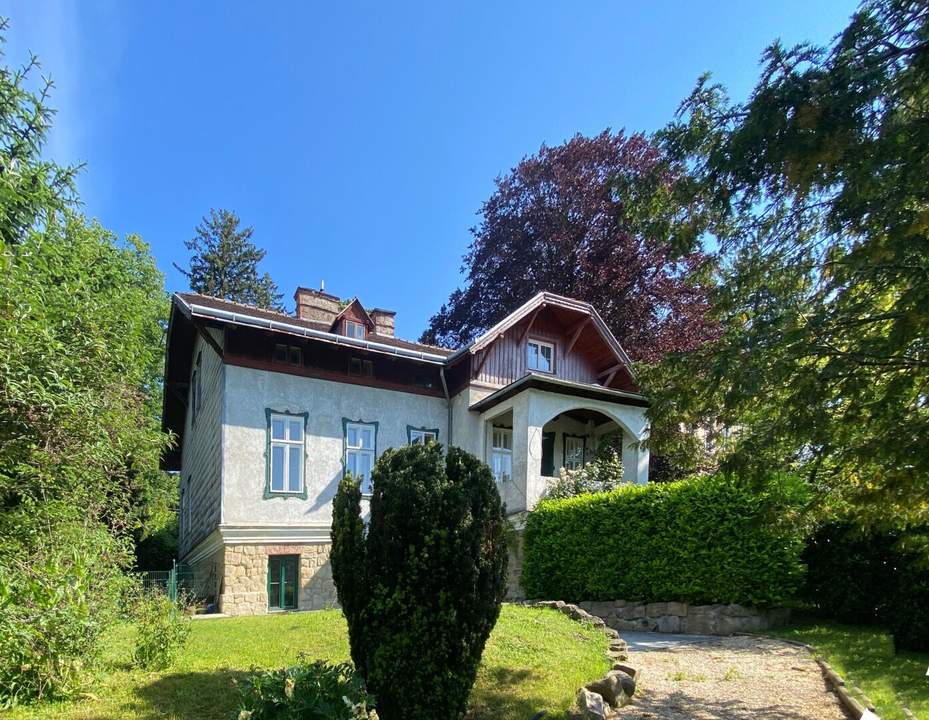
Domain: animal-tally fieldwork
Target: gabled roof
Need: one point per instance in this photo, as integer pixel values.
(539, 301)
(354, 303)
(226, 311)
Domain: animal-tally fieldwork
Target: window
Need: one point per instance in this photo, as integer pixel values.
(574, 448)
(540, 356)
(359, 452)
(290, 354)
(421, 436)
(422, 379)
(361, 368)
(282, 581)
(502, 454)
(287, 450)
(354, 329)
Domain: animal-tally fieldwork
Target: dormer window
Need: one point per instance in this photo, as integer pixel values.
(540, 356)
(353, 329)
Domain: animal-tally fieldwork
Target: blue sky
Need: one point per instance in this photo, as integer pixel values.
(361, 139)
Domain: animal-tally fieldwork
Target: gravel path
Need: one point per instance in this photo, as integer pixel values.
(729, 678)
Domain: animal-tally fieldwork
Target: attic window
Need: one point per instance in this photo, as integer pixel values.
(289, 354)
(354, 329)
(540, 356)
(361, 368)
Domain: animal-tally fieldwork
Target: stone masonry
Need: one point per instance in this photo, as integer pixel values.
(245, 578)
(678, 617)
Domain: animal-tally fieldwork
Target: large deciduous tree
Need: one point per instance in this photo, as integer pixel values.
(817, 190)
(224, 262)
(585, 219)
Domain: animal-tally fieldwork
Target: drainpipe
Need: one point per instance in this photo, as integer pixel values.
(447, 402)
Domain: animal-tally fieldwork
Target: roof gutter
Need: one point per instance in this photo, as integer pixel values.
(267, 324)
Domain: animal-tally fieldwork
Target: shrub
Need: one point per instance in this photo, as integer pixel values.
(421, 586)
(603, 474)
(870, 577)
(310, 690)
(703, 540)
(53, 608)
(162, 628)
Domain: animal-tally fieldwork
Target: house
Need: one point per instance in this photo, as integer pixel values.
(270, 409)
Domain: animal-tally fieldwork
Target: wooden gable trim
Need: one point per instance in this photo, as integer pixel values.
(578, 329)
(535, 313)
(611, 371)
(356, 316)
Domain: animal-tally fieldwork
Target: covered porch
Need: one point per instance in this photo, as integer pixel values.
(537, 425)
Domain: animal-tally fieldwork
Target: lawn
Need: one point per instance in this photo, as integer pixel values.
(864, 656)
(535, 660)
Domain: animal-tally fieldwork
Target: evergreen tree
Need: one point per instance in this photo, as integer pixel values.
(225, 261)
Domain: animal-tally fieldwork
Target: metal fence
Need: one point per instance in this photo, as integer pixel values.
(179, 579)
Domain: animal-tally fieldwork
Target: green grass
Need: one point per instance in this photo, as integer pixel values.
(864, 657)
(535, 660)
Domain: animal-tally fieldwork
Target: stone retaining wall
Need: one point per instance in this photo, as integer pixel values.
(677, 617)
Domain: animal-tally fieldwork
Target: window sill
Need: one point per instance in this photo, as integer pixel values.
(302, 495)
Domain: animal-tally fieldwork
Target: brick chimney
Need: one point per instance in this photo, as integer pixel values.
(316, 305)
(383, 321)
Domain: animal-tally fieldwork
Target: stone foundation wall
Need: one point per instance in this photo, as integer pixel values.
(514, 567)
(676, 617)
(245, 578)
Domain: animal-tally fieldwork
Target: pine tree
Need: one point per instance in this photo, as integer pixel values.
(224, 263)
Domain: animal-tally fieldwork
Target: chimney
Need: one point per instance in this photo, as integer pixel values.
(383, 321)
(316, 305)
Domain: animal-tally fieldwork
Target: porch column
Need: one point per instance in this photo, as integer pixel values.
(635, 460)
(522, 454)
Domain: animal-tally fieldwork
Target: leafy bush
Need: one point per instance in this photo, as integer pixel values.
(53, 608)
(421, 586)
(704, 540)
(602, 474)
(870, 577)
(162, 626)
(310, 690)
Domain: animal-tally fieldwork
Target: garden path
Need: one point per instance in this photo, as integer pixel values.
(726, 678)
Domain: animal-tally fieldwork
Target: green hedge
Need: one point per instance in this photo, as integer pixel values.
(873, 577)
(703, 540)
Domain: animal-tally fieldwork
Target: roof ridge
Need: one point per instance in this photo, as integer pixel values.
(291, 318)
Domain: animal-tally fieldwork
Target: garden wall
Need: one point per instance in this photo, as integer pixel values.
(678, 617)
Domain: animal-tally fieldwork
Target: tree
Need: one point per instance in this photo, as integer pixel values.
(421, 590)
(584, 219)
(816, 189)
(224, 263)
(82, 320)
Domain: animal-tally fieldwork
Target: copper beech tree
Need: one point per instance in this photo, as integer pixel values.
(587, 219)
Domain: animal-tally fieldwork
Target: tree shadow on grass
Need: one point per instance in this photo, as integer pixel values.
(505, 697)
(189, 696)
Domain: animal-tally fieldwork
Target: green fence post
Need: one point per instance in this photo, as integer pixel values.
(172, 582)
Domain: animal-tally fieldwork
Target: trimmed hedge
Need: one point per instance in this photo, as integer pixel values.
(703, 540)
(870, 578)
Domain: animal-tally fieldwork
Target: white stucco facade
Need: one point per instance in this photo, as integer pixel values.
(326, 403)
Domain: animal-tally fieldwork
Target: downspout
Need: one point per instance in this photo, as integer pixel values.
(448, 402)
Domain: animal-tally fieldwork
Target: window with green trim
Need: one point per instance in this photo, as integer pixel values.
(360, 452)
(421, 436)
(287, 449)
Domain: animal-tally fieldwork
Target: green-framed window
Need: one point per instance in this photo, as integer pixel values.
(359, 442)
(285, 451)
(421, 435)
(283, 581)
